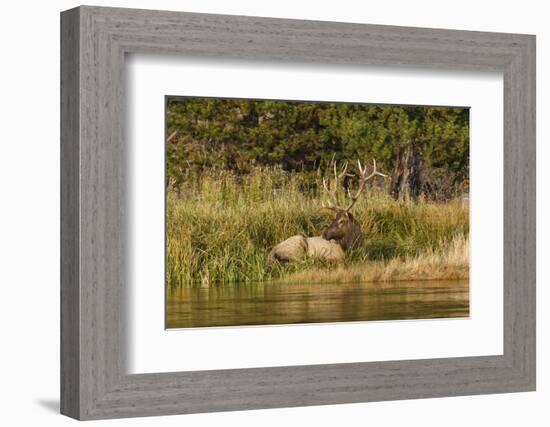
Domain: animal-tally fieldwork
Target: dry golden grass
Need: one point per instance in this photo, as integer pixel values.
(450, 262)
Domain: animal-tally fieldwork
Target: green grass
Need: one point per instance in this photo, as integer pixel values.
(220, 228)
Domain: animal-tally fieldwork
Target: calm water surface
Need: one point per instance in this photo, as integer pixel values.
(268, 303)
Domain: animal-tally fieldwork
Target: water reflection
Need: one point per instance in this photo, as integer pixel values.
(269, 303)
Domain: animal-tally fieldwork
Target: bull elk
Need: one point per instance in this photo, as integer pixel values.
(344, 232)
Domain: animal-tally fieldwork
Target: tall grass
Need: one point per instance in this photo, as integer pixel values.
(220, 228)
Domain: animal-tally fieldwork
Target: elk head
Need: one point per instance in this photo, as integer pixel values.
(344, 229)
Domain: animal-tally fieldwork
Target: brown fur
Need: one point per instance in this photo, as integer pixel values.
(345, 231)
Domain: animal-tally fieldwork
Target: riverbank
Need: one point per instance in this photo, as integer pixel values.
(220, 228)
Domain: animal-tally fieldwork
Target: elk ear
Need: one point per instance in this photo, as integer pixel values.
(349, 215)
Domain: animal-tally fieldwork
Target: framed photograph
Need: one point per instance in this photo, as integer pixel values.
(243, 175)
(261, 213)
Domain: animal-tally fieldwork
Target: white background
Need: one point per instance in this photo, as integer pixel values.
(29, 214)
(152, 349)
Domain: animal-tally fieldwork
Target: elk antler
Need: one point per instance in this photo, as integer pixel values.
(363, 178)
(332, 188)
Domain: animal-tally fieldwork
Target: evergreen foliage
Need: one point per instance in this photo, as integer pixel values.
(239, 135)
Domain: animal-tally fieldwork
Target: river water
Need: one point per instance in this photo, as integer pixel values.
(270, 303)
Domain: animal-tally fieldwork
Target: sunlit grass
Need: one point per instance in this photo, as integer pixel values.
(448, 262)
(221, 227)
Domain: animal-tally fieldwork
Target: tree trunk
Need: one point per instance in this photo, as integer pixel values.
(405, 181)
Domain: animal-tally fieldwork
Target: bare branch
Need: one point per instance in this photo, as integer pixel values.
(172, 136)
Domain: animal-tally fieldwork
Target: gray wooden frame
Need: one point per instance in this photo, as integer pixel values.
(94, 382)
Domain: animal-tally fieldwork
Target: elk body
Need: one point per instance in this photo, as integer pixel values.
(298, 246)
(344, 232)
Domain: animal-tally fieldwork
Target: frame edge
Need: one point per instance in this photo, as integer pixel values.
(70, 395)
